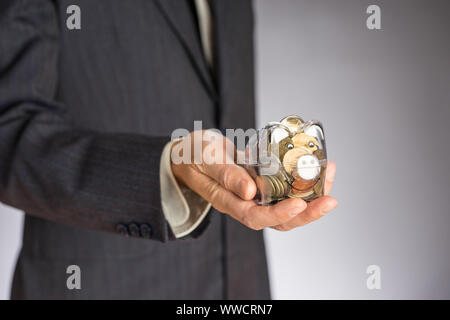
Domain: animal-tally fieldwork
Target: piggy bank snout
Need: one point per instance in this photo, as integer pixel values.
(308, 167)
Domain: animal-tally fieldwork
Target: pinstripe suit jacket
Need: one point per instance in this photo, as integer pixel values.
(84, 115)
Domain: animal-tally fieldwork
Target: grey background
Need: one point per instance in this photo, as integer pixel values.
(384, 99)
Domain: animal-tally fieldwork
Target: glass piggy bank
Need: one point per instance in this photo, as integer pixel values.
(287, 159)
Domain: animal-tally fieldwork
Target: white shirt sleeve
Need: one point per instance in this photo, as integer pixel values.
(183, 209)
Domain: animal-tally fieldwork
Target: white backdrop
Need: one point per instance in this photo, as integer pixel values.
(383, 97)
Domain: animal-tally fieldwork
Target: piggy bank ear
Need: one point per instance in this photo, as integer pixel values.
(314, 128)
(278, 132)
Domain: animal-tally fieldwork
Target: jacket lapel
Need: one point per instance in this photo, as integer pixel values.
(183, 24)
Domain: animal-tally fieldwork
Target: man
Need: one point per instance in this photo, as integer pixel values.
(85, 122)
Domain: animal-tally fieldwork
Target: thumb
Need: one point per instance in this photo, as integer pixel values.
(234, 178)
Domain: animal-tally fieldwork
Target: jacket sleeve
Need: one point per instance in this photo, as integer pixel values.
(48, 167)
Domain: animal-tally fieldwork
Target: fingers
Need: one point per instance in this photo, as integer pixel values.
(285, 215)
(329, 177)
(258, 217)
(247, 212)
(315, 210)
(224, 182)
(254, 216)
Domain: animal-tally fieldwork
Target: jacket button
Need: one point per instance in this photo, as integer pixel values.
(133, 229)
(146, 231)
(122, 229)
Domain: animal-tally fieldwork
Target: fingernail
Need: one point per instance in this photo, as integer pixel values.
(242, 187)
(328, 207)
(293, 213)
(302, 206)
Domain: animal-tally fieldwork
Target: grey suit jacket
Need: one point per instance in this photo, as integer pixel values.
(84, 115)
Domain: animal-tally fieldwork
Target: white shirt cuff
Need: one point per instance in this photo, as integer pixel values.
(183, 209)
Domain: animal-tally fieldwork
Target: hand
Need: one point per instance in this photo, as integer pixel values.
(230, 189)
